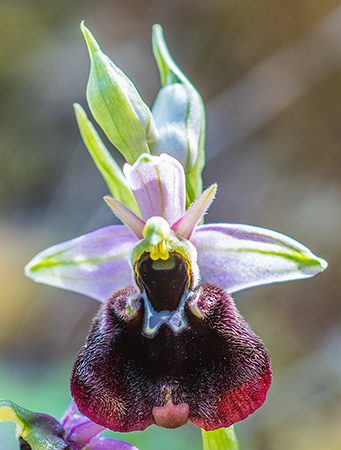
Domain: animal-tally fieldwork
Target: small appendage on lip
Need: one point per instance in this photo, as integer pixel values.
(170, 415)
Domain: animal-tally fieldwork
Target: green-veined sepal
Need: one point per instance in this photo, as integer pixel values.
(109, 169)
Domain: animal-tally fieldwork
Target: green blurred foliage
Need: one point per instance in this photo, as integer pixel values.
(269, 72)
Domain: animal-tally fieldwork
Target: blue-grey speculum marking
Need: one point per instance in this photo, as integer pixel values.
(164, 285)
(174, 319)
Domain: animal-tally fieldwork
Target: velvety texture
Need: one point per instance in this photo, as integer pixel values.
(217, 365)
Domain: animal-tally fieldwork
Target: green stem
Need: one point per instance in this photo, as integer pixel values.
(221, 439)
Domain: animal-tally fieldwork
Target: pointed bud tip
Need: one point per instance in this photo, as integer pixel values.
(77, 107)
(79, 112)
(162, 56)
(157, 32)
(157, 27)
(89, 39)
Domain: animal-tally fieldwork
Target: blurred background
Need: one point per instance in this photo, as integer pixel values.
(269, 72)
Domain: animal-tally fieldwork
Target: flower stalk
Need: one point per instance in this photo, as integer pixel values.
(222, 439)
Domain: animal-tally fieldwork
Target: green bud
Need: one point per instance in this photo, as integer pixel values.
(116, 105)
(179, 115)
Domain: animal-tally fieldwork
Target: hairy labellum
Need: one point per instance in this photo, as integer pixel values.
(212, 370)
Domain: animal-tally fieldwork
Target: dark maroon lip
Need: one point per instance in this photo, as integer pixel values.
(217, 366)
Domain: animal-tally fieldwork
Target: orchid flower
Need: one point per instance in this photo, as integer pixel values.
(168, 344)
(38, 431)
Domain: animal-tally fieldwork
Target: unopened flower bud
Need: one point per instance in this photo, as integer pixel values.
(179, 115)
(116, 104)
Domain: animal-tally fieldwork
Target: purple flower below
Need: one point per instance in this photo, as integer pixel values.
(81, 433)
(41, 431)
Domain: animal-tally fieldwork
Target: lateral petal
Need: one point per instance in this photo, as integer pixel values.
(238, 256)
(185, 225)
(126, 215)
(95, 264)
